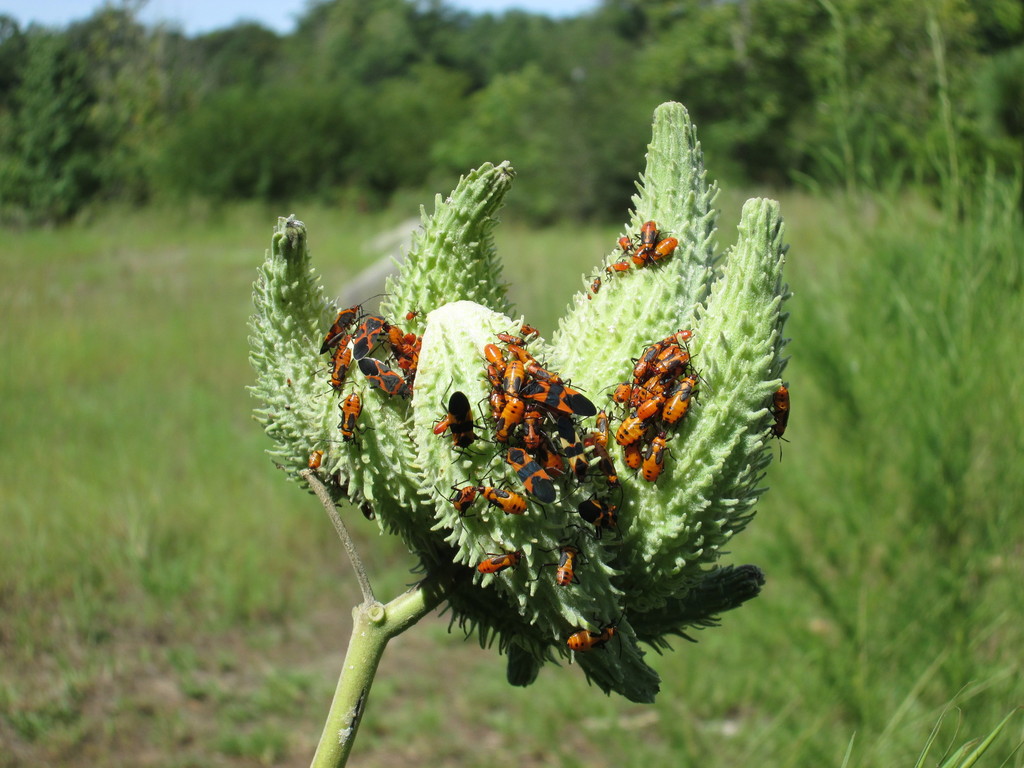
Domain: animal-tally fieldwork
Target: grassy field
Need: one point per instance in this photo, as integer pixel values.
(167, 599)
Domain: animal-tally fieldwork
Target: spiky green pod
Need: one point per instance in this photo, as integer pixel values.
(656, 575)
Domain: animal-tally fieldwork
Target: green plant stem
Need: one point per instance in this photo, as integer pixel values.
(350, 547)
(373, 626)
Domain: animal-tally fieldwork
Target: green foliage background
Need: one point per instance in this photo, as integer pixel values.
(370, 99)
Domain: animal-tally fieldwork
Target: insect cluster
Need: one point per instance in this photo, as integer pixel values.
(355, 335)
(539, 424)
(645, 249)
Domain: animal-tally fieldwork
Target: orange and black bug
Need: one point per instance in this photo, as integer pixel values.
(555, 396)
(596, 285)
(497, 402)
(511, 415)
(650, 407)
(649, 233)
(459, 419)
(644, 363)
(550, 460)
(528, 330)
(626, 244)
(622, 393)
(670, 362)
(599, 514)
(682, 336)
(411, 314)
(382, 377)
(513, 378)
(678, 403)
(654, 458)
(496, 358)
(665, 248)
(340, 361)
(315, 458)
(365, 337)
(585, 640)
(508, 338)
(345, 318)
(350, 407)
(618, 266)
(632, 455)
(509, 502)
(572, 447)
(630, 431)
(534, 478)
(565, 573)
(532, 436)
(780, 411)
(462, 498)
(606, 465)
(496, 563)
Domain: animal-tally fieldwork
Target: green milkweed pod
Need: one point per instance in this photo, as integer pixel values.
(657, 574)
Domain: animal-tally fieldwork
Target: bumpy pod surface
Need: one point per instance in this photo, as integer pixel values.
(654, 573)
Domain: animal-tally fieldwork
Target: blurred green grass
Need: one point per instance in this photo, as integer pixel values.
(158, 577)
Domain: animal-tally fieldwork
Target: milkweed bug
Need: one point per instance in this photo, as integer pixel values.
(596, 285)
(572, 448)
(557, 397)
(632, 455)
(650, 407)
(630, 431)
(459, 420)
(496, 563)
(780, 411)
(411, 314)
(602, 516)
(462, 498)
(345, 318)
(340, 361)
(678, 403)
(513, 378)
(509, 502)
(512, 414)
(565, 573)
(618, 266)
(606, 465)
(495, 357)
(528, 330)
(654, 458)
(365, 337)
(350, 407)
(532, 436)
(665, 248)
(643, 255)
(670, 361)
(497, 402)
(649, 233)
(315, 458)
(508, 338)
(643, 364)
(535, 480)
(622, 393)
(626, 244)
(550, 460)
(382, 377)
(585, 640)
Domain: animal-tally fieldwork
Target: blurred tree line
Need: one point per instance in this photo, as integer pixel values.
(365, 100)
